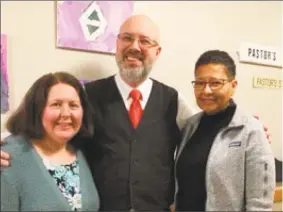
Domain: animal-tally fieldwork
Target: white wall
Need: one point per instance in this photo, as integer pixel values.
(187, 29)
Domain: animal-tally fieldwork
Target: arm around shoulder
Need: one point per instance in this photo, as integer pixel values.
(185, 111)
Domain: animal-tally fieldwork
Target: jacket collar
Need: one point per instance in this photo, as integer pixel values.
(238, 119)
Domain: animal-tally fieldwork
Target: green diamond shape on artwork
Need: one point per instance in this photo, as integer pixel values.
(91, 28)
(94, 16)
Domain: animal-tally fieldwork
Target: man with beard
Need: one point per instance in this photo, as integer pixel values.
(136, 131)
(137, 126)
(137, 122)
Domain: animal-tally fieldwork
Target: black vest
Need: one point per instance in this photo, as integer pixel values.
(133, 168)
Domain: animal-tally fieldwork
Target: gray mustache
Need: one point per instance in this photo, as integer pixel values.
(134, 54)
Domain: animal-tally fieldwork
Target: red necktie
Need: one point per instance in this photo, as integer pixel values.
(135, 111)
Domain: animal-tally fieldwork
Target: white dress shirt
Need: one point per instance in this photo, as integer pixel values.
(184, 111)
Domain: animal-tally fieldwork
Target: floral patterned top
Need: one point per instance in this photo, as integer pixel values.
(68, 181)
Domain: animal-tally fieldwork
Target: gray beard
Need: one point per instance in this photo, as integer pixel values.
(134, 75)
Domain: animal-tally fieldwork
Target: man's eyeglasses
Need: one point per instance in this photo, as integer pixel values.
(144, 42)
(213, 84)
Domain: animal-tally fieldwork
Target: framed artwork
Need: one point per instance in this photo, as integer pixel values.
(90, 25)
(4, 76)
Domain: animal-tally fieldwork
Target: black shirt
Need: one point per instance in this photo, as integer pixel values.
(191, 166)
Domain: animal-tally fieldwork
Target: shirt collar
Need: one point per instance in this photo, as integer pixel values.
(125, 89)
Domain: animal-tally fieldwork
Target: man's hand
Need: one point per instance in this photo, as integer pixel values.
(172, 208)
(267, 133)
(5, 157)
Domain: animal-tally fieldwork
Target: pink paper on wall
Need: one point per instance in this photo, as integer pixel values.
(91, 25)
(4, 75)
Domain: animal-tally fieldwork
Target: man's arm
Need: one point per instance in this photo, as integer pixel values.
(185, 111)
(260, 173)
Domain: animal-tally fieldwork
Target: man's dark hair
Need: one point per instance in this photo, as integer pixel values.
(27, 119)
(218, 57)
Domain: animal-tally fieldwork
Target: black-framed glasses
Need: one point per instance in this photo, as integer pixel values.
(213, 84)
(144, 42)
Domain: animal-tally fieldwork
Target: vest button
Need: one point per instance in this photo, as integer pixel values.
(135, 162)
(135, 182)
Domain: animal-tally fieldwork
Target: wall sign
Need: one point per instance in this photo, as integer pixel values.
(264, 82)
(259, 54)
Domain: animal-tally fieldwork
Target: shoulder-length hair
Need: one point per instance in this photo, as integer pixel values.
(27, 119)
